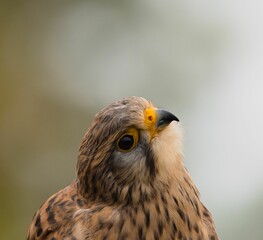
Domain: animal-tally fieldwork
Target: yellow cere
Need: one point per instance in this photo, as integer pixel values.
(150, 120)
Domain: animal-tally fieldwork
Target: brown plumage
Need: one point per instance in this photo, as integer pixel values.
(131, 183)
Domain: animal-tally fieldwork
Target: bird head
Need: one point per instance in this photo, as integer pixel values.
(130, 144)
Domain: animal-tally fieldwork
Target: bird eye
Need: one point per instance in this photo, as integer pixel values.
(128, 140)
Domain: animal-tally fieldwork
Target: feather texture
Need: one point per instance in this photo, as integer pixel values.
(145, 193)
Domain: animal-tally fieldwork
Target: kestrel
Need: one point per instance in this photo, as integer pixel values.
(131, 183)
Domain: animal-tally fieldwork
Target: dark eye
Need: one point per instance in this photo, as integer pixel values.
(126, 142)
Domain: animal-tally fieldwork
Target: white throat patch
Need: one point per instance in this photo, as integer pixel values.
(168, 149)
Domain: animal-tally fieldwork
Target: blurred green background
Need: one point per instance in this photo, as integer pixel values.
(62, 61)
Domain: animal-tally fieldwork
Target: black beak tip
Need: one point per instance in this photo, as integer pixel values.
(165, 117)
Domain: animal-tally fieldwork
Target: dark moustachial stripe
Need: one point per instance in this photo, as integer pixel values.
(150, 162)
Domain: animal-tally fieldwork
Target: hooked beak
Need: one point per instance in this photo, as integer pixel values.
(157, 119)
(164, 118)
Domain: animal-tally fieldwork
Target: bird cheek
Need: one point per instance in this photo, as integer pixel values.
(147, 136)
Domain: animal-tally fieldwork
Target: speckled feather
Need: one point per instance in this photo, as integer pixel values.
(144, 194)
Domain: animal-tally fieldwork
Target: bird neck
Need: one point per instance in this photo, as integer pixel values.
(136, 193)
